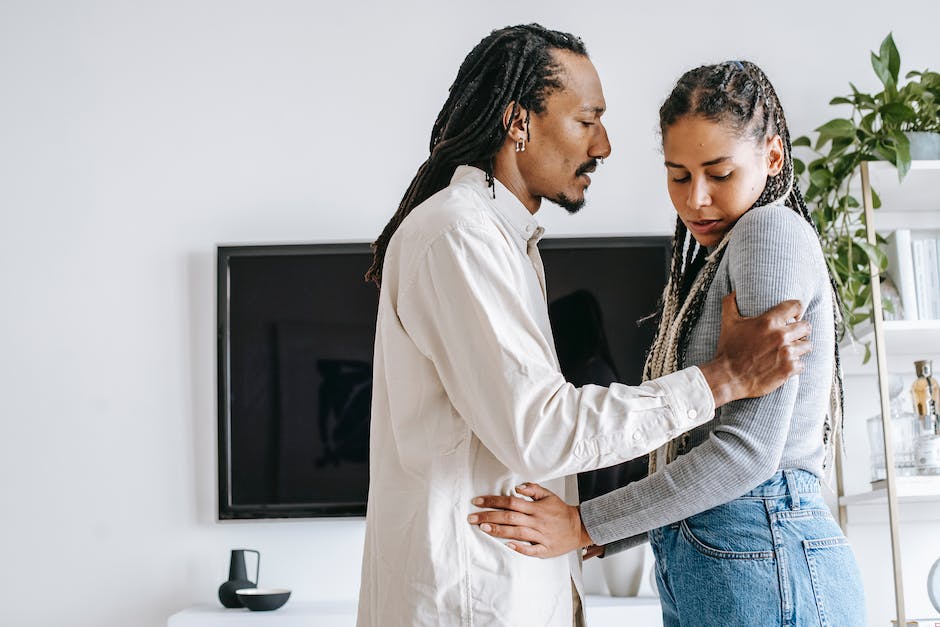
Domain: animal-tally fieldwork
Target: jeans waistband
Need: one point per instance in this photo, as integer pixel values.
(786, 482)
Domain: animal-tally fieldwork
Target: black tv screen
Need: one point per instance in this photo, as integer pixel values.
(296, 327)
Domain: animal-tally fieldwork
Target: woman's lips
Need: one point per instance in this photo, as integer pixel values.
(704, 227)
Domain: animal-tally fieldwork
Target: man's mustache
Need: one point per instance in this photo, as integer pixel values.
(587, 167)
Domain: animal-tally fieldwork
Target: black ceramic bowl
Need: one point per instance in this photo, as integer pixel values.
(263, 599)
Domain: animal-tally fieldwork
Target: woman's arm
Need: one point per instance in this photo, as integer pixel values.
(768, 260)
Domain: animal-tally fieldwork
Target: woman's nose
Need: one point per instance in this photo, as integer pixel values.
(698, 194)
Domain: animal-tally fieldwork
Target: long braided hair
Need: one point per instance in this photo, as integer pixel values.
(512, 65)
(737, 94)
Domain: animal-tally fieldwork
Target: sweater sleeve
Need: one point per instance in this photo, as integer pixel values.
(767, 262)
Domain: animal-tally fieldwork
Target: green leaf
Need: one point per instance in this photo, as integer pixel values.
(864, 297)
(875, 199)
(897, 113)
(883, 73)
(798, 167)
(866, 101)
(861, 98)
(843, 167)
(888, 153)
(822, 178)
(930, 78)
(858, 318)
(839, 144)
(840, 100)
(903, 148)
(802, 140)
(838, 127)
(875, 254)
(867, 356)
(890, 56)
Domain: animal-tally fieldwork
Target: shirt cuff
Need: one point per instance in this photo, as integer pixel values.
(689, 396)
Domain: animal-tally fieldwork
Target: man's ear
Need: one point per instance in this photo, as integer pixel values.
(775, 157)
(514, 121)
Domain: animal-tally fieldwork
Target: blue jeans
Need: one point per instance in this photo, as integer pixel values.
(772, 557)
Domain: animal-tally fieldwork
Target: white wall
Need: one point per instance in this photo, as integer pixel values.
(134, 136)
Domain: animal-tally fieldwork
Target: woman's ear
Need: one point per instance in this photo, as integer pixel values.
(514, 121)
(775, 156)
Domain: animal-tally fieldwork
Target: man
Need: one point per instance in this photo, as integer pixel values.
(468, 398)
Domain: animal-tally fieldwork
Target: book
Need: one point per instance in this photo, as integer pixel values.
(901, 270)
(933, 277)
(923, 251)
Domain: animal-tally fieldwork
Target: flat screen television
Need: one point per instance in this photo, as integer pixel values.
(296, 327)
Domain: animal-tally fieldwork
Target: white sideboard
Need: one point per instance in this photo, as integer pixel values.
(602, 611)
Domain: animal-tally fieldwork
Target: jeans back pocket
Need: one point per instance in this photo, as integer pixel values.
(837, 583)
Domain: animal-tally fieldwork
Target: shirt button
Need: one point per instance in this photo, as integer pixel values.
(637, 435)
(692, 414)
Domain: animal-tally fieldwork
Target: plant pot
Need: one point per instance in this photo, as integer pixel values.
(924, 145)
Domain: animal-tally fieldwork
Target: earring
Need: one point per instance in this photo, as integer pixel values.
(520, 145)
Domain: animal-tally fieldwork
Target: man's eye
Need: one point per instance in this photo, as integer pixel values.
(681, 179)
(721, 177)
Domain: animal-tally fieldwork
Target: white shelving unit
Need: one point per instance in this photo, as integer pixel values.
(905, 341)
(909, 490)
(915, 204)
(600, 611)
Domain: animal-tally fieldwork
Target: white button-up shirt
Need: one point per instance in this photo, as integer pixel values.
(468, 399)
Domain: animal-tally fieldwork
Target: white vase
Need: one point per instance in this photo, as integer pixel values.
(629, 573)
(592, 573)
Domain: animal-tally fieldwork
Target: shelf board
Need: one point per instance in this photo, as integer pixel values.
(916, 195)
(600, 610)
(887, 220)
(905, 341)
(916, 164)
(909, 490)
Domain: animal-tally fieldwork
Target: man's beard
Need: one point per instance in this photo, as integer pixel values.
(574, 206)
(571, 206)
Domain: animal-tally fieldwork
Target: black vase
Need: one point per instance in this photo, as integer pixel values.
(237, 578)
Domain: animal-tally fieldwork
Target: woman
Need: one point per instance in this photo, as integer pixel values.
(733, 512)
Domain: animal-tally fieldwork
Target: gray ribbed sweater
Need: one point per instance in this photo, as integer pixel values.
(773, 255)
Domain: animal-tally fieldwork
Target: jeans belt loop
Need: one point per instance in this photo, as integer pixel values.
(792, 489)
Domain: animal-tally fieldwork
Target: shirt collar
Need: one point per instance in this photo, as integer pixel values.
(506, 204)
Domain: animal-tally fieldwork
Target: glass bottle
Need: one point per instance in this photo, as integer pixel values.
(927, 446)
(925, 391)
(926, 396)
(905, 430)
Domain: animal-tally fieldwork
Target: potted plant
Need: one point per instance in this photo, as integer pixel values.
(880, 127)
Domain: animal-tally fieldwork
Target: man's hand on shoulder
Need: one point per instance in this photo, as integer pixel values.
(756, 355)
